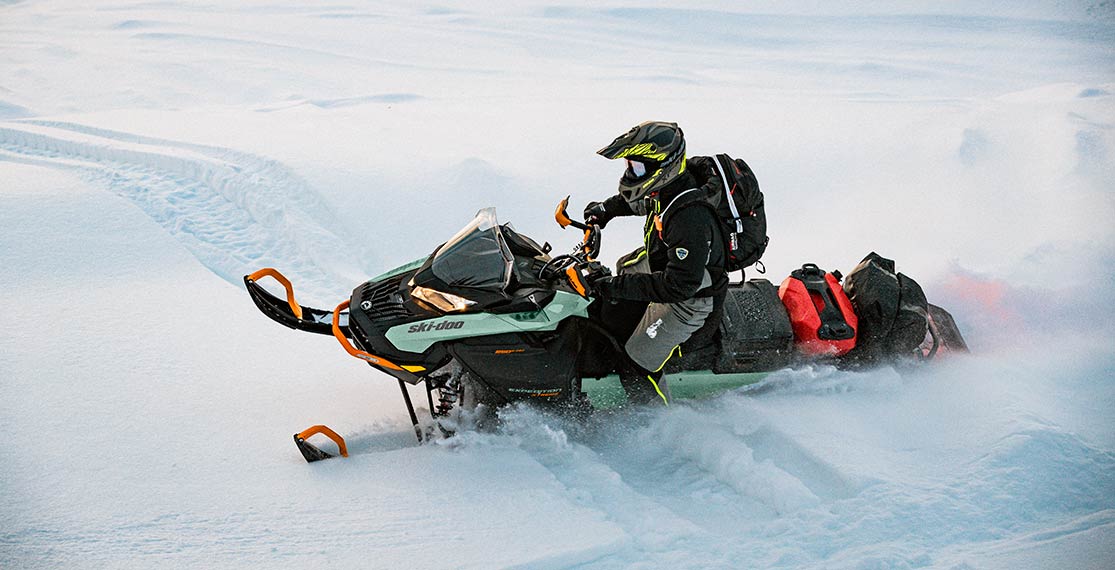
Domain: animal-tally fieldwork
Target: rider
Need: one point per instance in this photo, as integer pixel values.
(678, 273)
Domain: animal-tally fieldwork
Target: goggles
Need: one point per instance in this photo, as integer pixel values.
(636, 169)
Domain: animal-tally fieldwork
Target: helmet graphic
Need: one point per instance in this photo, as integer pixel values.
(655, 154)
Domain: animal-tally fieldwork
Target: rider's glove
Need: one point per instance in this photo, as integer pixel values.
(602, 287)
(597, 214)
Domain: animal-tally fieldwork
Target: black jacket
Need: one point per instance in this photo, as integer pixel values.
(689, 243)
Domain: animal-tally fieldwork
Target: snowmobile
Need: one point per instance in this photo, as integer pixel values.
(491, 318)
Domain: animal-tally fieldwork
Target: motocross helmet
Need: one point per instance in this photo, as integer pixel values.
(655, 154)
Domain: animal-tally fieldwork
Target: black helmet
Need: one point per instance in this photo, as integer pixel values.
(655, 153)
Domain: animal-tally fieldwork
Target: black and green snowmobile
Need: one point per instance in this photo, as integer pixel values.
(491, 318)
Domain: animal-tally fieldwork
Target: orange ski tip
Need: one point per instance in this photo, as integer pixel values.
(274, 273)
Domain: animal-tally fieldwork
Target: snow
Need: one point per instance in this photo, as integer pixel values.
(153, 153)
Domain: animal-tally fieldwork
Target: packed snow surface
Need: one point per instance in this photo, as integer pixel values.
(151, 154)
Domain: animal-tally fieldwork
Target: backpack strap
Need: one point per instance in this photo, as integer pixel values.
(676, 199)
(728, 193)
(680, 202)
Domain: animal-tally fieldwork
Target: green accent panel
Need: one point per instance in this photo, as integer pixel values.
(607, 392)
(400, 270)
(418, 336)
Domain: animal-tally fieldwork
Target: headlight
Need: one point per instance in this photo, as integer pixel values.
(445, 302)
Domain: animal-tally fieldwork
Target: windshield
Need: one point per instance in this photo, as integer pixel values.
(477, 256)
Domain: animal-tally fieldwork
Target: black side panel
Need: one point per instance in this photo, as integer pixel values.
(755, 330)
(536, 366)
(603, 335)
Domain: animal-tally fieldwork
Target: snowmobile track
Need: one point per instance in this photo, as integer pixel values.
(232, 210)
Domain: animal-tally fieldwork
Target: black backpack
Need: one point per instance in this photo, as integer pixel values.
(739, 205)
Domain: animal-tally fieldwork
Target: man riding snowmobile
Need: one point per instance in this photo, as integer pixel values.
(677, 278)
(490, 318)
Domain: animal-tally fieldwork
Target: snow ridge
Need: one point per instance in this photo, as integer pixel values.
(234, 211)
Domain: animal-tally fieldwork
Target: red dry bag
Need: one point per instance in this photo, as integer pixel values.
(820, 313)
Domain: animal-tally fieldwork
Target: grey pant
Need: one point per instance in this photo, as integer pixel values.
(664, 326)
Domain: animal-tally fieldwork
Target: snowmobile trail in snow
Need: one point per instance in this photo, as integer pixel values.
(231, 209)
(670, 493)
(742, 477)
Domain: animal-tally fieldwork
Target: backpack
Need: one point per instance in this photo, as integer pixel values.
(739, 205)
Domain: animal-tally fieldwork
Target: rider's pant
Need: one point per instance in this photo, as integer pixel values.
(663, 328)
(660, 332)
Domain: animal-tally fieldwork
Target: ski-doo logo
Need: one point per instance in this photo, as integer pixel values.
(443, 325)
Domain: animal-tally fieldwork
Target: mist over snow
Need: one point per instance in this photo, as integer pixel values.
(151, 154)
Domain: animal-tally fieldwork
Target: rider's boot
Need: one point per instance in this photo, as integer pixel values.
(644, 387)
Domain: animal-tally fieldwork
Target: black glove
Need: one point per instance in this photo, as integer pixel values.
(596, 213)
(602, 287)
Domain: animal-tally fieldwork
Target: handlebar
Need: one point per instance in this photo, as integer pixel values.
(584, 253)
(590, 245)
(563, 218)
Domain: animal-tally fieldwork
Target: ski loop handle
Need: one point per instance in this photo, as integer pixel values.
(274, 273)
(323, 430)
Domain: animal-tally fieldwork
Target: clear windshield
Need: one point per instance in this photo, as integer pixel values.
(477, 256)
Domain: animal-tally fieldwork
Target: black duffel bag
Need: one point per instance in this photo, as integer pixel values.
(892, 312)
